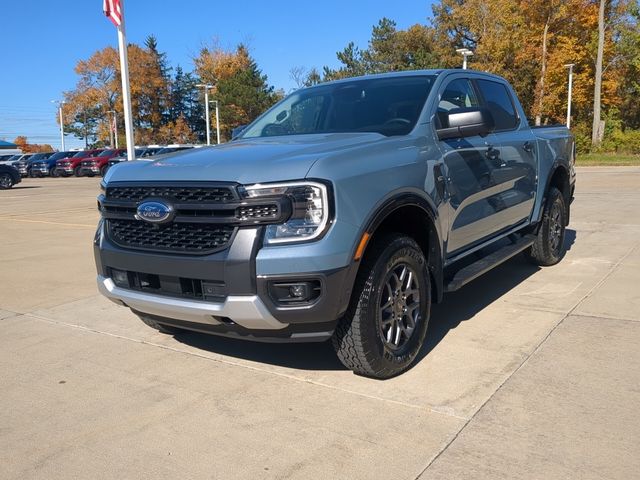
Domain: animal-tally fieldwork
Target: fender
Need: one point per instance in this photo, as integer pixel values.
(394, 202)
(557, 164)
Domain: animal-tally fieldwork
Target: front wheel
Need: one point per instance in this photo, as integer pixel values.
(6, 181)
(385, 325)
(548, 248)
(54, 173)
(77, 172)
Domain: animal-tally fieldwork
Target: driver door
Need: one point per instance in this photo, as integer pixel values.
(469, 165)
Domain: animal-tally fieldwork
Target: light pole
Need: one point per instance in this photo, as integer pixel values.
(465, 52)
(570, 67)
(115, 126)
(60, 103)
(217, 122)
(206, 108)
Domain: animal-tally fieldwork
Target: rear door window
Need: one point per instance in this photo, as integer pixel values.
(497, 100)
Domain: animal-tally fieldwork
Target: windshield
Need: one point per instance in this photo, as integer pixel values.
(82, 154)
(389, 106)
(107, 153)
(59, 155)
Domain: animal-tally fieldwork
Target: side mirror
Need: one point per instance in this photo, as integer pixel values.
(465, 122)
(235, 133)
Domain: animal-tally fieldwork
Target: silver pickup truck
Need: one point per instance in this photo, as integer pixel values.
(341, 213)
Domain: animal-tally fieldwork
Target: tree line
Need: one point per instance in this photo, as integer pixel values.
(529, 42)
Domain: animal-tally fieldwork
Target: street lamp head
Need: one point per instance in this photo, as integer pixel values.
(464, 51)
(204, 85)
(570, 65)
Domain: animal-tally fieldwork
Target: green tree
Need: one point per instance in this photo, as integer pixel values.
(240, 87)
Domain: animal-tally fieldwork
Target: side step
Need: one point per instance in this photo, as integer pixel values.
(474, 270)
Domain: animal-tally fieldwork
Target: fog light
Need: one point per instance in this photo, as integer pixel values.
(120, 277)
(290, 293)
(299, 291)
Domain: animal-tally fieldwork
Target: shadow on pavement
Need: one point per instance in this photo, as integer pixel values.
(456, 308)
(23, 187)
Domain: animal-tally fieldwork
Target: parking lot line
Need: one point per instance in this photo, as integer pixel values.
(23, 220)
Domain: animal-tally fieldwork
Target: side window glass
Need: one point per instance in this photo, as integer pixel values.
(457, 94)
(498, 101)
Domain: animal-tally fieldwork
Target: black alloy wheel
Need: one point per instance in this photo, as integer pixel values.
(6, 181)
(548, 248)
(385, 325)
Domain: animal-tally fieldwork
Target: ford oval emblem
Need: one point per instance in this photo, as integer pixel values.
(155, 212)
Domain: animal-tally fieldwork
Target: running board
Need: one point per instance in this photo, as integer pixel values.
(474, 270)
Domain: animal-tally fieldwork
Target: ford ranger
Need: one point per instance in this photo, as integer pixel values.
(341, 213)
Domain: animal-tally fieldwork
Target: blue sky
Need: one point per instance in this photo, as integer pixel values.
(42, 41)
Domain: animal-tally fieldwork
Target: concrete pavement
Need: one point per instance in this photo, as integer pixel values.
(528, 373)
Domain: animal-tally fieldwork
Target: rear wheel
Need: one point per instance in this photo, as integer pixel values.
(166, 329)
(6, 181)
(385, 325)
(548, 248)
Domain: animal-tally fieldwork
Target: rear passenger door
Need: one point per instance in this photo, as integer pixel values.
(514, 169)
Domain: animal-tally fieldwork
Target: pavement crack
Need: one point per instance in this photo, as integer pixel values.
(527, 357)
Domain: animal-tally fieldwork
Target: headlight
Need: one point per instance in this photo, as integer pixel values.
(310, 210)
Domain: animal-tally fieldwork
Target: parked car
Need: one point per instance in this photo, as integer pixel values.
(141, 154)
(47, 167)
(4, 158)
(24, 165)
(98, 164)
(15, 158)
(9, 176)
(341, 213)
(72, 165)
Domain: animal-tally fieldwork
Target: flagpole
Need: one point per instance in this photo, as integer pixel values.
(126, 95)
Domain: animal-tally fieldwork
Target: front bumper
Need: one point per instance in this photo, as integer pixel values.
(248, 311)
(245, 309)
(84, 170)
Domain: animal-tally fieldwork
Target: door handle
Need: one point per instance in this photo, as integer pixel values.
(528, 146)
(492, 153)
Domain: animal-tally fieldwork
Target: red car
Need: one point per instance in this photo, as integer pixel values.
(71, 166)
(98, 164)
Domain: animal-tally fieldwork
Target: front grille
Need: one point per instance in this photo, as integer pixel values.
(180, 194)
(257, 212)
(194, 238)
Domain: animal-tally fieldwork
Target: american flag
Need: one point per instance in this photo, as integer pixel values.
(113, 11)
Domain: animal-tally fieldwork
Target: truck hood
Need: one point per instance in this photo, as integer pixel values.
(256, 160)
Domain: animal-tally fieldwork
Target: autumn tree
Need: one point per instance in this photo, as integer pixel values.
(23, 144)
(239, 86)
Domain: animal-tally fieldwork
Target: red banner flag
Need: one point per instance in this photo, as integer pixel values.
(112, 10)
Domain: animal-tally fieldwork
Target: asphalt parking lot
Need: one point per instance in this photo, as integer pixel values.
(528, 373)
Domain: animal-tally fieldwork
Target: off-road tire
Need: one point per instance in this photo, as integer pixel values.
(6, 181)
(548, 248)
(166, 329)
(358, 338)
